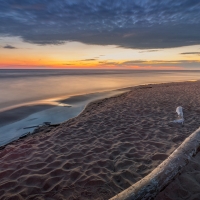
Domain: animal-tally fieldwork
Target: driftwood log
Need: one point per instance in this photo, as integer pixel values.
(160, 177)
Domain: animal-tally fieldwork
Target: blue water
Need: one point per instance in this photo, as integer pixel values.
(63, 88)
(26, 86)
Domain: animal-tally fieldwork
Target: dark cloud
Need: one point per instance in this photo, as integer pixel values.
(91, 59)
(9, 47)
(195, 53)
(152, 62)
(144, 24)
(159, 61)
(187, 64)
(152, 50)
(108, 63)
(67, 64)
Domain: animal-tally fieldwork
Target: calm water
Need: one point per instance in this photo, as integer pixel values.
(19, 88)
(26, 86)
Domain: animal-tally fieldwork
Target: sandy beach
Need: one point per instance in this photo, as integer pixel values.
(111, 145)
(186, 184)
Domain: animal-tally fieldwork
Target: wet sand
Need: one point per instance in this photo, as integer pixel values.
(20, 121)
(11, 115)
(16, 114)
(111, 145)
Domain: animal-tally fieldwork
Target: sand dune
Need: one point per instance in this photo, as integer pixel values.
(111, 145)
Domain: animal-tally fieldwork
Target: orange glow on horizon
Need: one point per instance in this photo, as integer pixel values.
(30, 63)
(76, 55)
(57, 66)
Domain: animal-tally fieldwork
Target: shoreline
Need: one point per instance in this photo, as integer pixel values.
(112, 144)
(47, 114)
(26, 109)
(49, 127)
(15, 115)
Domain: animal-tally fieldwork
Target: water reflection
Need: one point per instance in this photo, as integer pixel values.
(43, 85)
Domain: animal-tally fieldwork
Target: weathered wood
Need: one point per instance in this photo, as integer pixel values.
(152, 184)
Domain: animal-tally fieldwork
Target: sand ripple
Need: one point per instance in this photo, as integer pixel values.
(186, 185)
(111, 145)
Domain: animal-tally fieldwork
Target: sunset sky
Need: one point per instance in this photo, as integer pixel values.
(118, 34)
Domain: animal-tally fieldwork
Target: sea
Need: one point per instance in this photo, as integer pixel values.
(30, 98)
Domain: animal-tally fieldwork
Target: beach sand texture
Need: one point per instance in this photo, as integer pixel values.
(111, 145)
(186, 185)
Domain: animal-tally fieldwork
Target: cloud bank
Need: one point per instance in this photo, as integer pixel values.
(142, 24)
(191, 53)
(9, 47)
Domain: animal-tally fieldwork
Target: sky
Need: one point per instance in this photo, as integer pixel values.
(103, 34)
